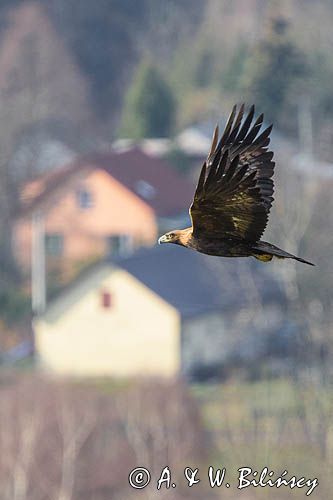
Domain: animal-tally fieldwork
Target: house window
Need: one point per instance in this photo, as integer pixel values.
(120, 245)
(54, 244)
(106, 299)
(84, 199)
(145, 189)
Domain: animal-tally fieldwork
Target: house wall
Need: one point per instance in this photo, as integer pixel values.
(138, 335)
(115, 210)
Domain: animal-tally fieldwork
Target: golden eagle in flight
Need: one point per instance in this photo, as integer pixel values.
(234, 194)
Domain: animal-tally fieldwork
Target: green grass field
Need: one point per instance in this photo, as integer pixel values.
(281, 424)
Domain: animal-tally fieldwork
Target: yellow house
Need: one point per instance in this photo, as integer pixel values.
(109, 324)
(163, 311)
(138, 317)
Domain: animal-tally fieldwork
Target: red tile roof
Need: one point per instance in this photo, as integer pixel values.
(170, 194)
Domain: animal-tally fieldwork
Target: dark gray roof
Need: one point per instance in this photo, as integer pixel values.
(197, 284)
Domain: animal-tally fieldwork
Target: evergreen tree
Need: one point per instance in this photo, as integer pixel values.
(149, 109)
(233, 74)
(275, 70)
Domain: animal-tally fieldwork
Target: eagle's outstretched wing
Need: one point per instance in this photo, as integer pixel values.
(234, 192)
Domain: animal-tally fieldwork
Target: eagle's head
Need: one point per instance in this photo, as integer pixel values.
(178, 236)
(171, 237)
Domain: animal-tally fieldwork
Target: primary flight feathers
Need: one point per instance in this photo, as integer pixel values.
(234, 194)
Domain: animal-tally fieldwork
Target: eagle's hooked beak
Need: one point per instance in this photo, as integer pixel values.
(162, 239)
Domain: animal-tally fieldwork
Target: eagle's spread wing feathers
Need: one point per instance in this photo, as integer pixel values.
(235, 190)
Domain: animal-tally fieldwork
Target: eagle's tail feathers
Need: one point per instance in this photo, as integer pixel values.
(266, 251)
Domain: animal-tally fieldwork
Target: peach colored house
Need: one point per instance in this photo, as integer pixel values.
(102, 204)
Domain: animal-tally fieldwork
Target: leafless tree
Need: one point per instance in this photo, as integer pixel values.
(69, 441)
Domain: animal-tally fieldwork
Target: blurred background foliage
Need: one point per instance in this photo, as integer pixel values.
(202, 55)
(149, 108)
(206, 54)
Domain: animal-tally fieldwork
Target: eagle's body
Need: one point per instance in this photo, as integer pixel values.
(228, 247)
(234, 195)
(231, 247)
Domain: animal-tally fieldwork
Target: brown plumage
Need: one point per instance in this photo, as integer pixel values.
(234, 194)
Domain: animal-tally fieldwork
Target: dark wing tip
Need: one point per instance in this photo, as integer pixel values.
(214, 141)
(201, 181)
